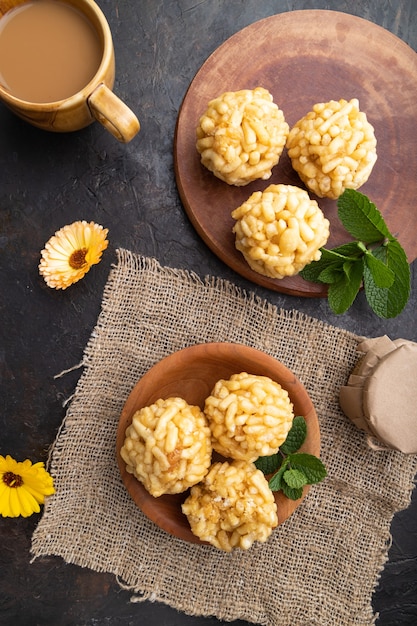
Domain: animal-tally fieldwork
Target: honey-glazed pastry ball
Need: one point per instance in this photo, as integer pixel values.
(280, 230)
(241, 136)
(232, 507)
(249, 416)
(167, 446)
(333, 148)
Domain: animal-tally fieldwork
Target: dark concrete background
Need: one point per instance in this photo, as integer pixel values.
(47, 181)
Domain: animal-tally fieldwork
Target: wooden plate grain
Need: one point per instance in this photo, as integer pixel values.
(191, 374)
(304, 57)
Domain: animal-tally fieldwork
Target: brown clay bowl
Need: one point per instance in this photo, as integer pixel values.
(191, 374)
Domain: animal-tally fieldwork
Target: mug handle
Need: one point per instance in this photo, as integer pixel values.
(113, 114)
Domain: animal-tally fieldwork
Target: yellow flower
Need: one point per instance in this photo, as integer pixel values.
(23, 487)
(70, 253)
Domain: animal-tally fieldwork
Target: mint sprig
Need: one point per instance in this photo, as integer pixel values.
(292, 470)
(376, 261)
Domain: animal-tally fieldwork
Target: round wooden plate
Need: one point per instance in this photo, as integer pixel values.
(191, 374)
(305, 57)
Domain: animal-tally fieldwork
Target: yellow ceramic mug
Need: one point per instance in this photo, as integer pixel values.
(95, 101)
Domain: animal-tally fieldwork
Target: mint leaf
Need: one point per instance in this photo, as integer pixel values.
(269, 464)
(294, 478)
(349, 250)
(360, 217)
(389, 302)
(296, 435)
(382, 275)
(331, 274)
(313, 270)
(310, 465)
(330, 264)
(329, 259)
(343, 292)
(333, 256)
(275, 484)
(291, 493)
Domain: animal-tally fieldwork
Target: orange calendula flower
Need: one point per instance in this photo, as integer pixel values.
(23, 487)
(70, 253)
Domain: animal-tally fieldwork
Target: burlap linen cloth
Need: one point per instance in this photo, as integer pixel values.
(321, 566)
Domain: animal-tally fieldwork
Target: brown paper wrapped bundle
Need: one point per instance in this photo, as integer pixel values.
(381, 393)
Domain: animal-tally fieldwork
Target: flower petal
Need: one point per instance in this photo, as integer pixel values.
(14, 503)
(4, 499)
(5, 505)
(28, 504)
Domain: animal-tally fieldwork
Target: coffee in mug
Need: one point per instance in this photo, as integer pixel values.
(48, 51)
(57, 66)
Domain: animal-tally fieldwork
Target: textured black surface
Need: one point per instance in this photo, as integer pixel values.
(47, 181)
